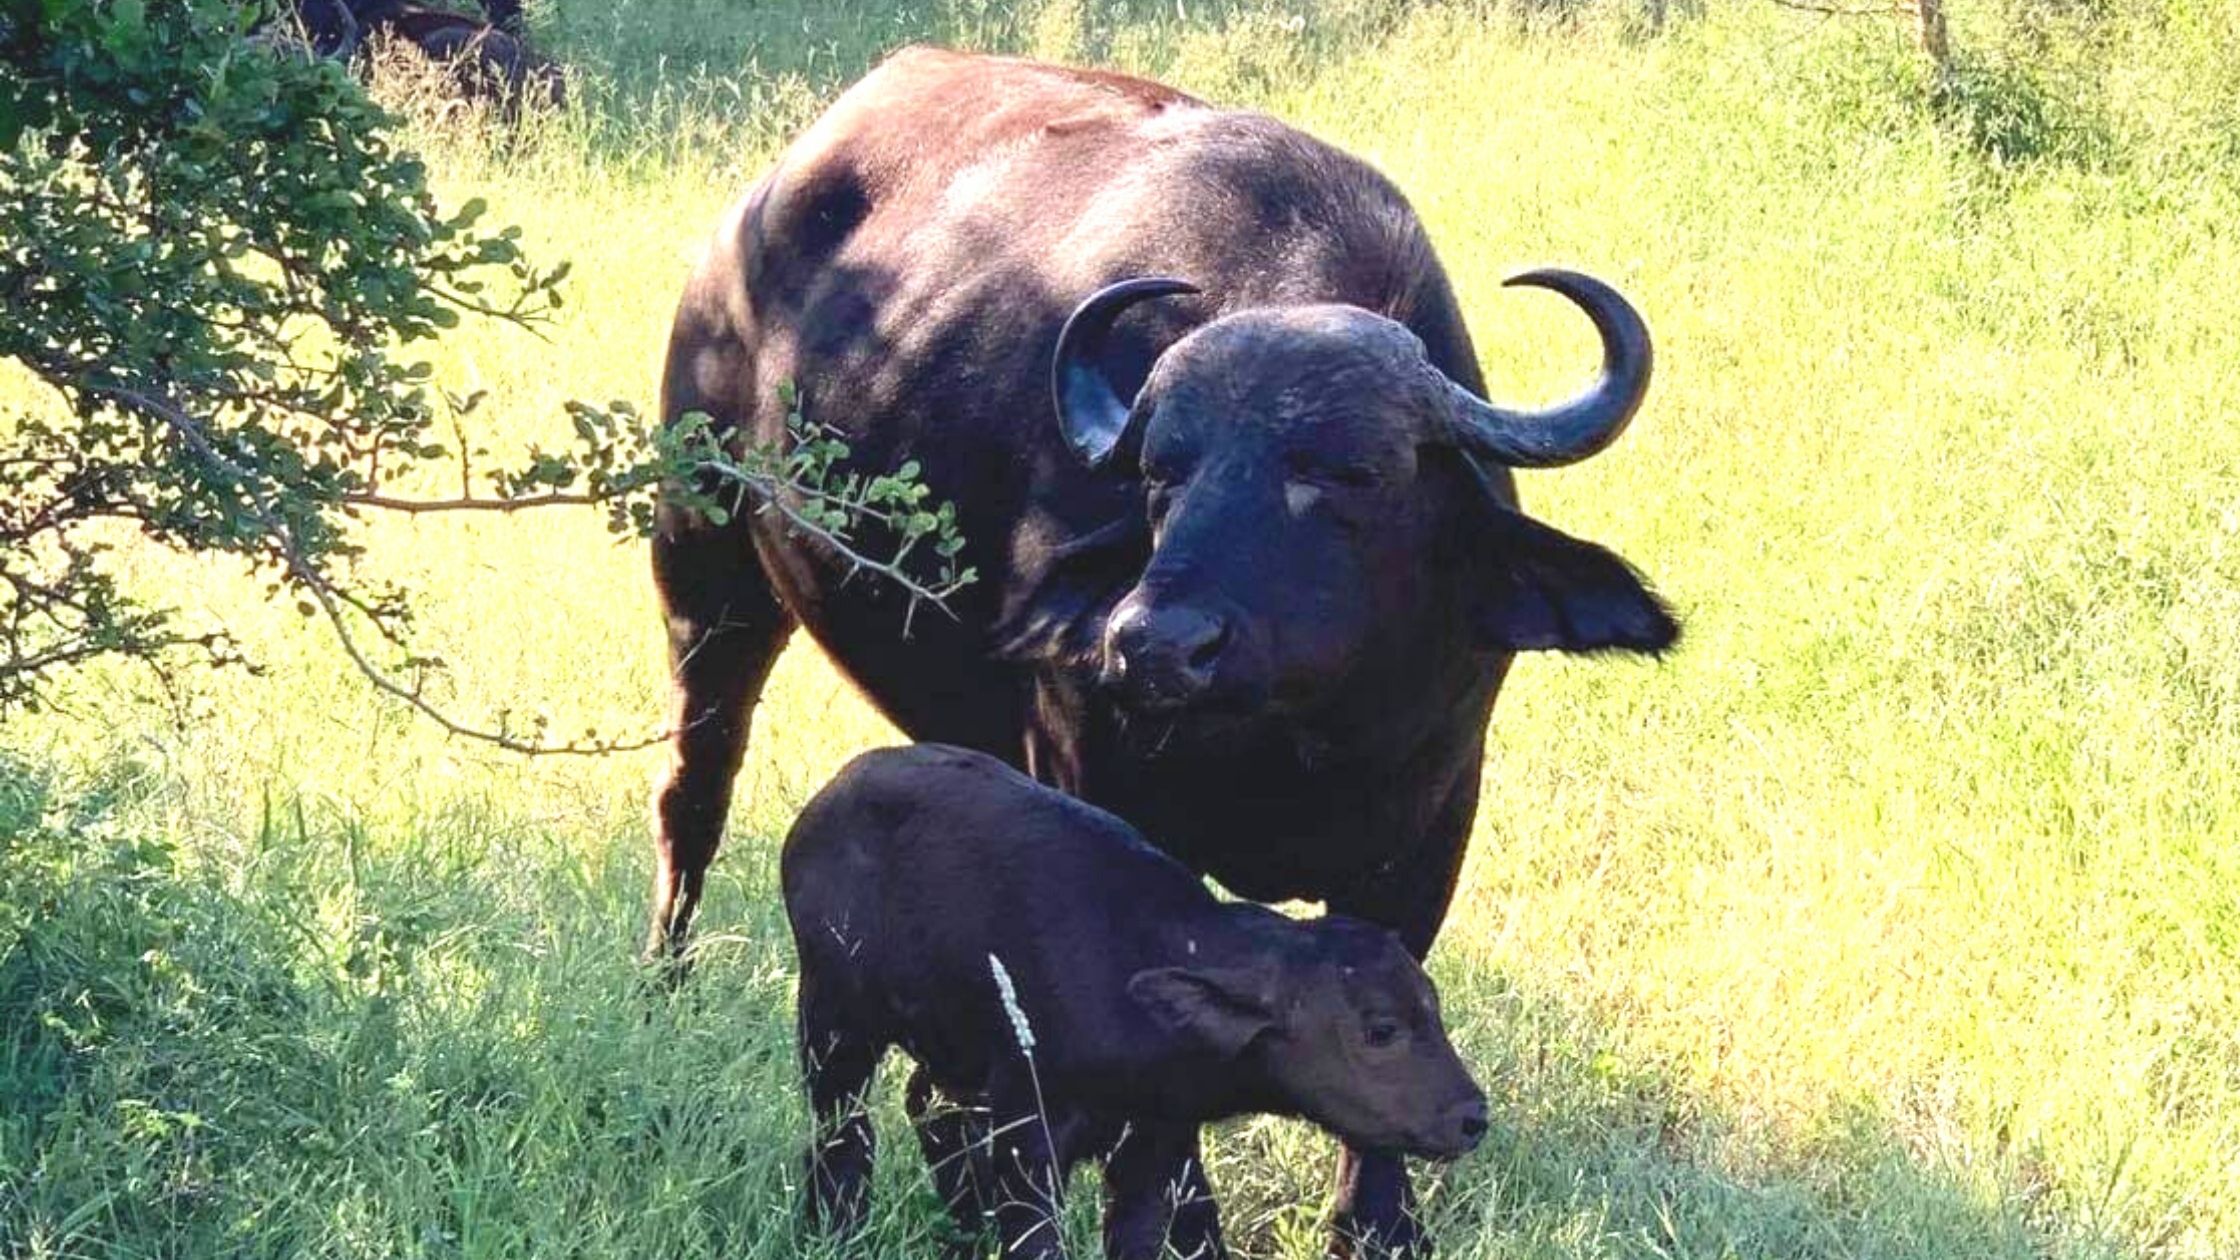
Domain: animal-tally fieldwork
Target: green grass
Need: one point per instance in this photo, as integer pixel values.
(1896, 915)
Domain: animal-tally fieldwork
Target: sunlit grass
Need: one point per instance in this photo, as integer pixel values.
(1894, 915)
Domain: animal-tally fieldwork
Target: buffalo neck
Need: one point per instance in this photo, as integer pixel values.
(1305, 808)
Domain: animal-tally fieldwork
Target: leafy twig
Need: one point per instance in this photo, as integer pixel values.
(830, 504)
(307, 576)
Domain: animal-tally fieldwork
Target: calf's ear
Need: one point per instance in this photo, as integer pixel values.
(1223, 1008)
(1540, 589)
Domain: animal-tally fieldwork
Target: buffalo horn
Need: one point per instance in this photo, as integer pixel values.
(1093, 418)
(1570, 431)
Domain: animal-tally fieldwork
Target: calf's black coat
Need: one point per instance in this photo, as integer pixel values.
(1148, 1007)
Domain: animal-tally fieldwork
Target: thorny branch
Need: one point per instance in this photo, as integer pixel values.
(770, 490)
(470, 503)
(1930, 28)
(330, 602)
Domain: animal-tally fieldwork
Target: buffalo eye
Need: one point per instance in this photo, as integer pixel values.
(1157, 497)
(1381, 1033)
(1337, 476)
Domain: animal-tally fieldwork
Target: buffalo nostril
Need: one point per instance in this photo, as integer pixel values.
(1163, 655)
(1470, 1122)
(1208, 648)
(1125, 640)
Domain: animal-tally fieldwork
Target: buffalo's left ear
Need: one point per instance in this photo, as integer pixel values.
(1540, 589)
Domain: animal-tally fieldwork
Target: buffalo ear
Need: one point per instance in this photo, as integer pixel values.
(1223, 1008)
(1540, 589)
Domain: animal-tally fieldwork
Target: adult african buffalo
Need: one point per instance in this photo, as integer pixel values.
(1253, 589)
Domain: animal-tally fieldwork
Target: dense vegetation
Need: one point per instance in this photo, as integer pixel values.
(212, 253)
(1898, 914)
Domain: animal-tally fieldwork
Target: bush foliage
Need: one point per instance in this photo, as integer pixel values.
(212, 248)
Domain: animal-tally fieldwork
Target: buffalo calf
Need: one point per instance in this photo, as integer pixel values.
(1075, 993)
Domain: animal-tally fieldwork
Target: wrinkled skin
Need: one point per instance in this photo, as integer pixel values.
(1286, 507)
(1154, 1007)
(1264, 620)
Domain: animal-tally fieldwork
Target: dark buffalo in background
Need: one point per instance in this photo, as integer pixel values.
(1256, 585)
(481, 61)
(489, 60)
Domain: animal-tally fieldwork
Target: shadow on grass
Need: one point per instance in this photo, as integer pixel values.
(309, 1040)
(1595, 1155)
(342, 1044)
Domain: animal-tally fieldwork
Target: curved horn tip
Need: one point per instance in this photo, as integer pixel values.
(1624, 332)
(1561, 279)
(1574, 430)
(1093, 419)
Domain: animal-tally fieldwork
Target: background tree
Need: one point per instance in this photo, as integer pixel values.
(215, 255)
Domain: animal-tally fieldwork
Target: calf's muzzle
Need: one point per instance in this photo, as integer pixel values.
(1465, 1125)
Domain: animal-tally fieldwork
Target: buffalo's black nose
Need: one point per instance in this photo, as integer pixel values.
(1163, 657)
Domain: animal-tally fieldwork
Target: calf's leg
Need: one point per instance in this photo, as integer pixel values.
(955, 1140)
(1026, 1149)
(838, 1060)
(1157, 1202)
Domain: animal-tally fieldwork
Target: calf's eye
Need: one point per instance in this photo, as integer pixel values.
(1382, 1033)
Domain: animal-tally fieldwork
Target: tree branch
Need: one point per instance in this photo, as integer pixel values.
(767, 488)
(468, 503)
(1838, 10)
(329, 601)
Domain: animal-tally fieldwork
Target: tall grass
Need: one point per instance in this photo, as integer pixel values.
(1895, 915)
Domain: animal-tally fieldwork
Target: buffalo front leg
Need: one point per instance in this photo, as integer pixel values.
(726, 629)
(1373, 1214)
